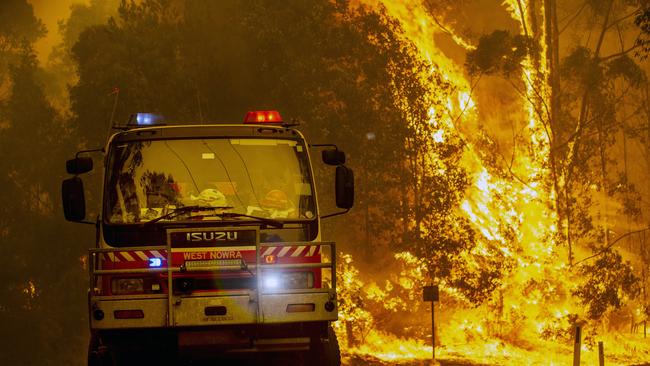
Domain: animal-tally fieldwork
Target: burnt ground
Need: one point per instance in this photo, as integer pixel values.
(347, 360)
(372, 361)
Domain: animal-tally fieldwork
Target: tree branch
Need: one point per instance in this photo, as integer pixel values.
(539, 95)
(574, 17)
(619, 20)
(523, 17)
(618, 54)
(574, 135)
(460, 41)
(537, 110)
(620, 37)
(601, 38)
(465, 44)
(509, 165)
(600, 252)
(630, 116)
(454, 121)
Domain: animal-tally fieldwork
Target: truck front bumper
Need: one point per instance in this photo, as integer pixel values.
(245, 307)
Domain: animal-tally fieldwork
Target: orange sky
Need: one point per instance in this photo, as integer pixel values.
(50, 12)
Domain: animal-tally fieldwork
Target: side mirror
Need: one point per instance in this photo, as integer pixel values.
(74, 203)
(333, 157)
(344, 187)
(79, 165)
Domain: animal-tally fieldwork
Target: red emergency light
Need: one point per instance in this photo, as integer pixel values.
(263, 117)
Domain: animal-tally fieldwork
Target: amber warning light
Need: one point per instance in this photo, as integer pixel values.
(254, 117)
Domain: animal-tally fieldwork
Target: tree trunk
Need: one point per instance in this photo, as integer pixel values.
(553, 60)
(601, 132)
(584, 116)
(602, 150)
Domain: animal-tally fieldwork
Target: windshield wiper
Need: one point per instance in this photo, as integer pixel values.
(223, 215)
(235, 215)
(264, 220)
(181, 210)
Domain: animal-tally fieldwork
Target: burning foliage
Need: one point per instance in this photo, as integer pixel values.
(512, 290)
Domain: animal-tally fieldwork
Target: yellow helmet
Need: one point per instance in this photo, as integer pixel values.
(276, 199)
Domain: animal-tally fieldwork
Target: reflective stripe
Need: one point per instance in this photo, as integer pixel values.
(312, 249)
(283, 251)
(298, 251)
(127, 256)
(142, 256)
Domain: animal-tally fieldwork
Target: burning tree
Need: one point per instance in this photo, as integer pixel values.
(526, 207)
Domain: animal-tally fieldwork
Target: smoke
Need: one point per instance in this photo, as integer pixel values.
(51, 13)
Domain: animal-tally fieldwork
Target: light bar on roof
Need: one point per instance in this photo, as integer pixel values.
(263, 117)
(147, 119)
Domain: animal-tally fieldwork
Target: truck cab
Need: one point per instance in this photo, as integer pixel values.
(209, 243)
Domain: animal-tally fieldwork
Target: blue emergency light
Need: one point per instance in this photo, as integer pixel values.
(155, 262)
(147, 119)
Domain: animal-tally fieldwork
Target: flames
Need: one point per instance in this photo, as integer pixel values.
(467, 334)
(529, 318)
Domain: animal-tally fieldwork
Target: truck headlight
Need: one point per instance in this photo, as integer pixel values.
(288, 280)
(122, 286)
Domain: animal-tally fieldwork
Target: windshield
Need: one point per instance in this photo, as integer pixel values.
(261, 177)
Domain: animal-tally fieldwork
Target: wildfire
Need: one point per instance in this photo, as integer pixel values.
(527, 318)
(464, 334)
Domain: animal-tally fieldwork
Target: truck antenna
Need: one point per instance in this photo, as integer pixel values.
(116, 92)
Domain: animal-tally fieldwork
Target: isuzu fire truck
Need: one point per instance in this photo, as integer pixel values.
(208, 243)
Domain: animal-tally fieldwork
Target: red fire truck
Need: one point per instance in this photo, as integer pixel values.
(208, 243)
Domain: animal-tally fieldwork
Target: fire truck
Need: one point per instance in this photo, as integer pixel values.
(209, 243)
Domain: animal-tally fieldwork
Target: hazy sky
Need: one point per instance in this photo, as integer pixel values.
(50, 12)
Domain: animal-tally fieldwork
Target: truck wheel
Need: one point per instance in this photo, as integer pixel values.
(326, 352)
(99, 355)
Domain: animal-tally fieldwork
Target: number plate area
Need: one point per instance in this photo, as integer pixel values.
(204, 310)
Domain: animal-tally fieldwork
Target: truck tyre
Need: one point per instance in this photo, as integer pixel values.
(99, 355)
(325, 351)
